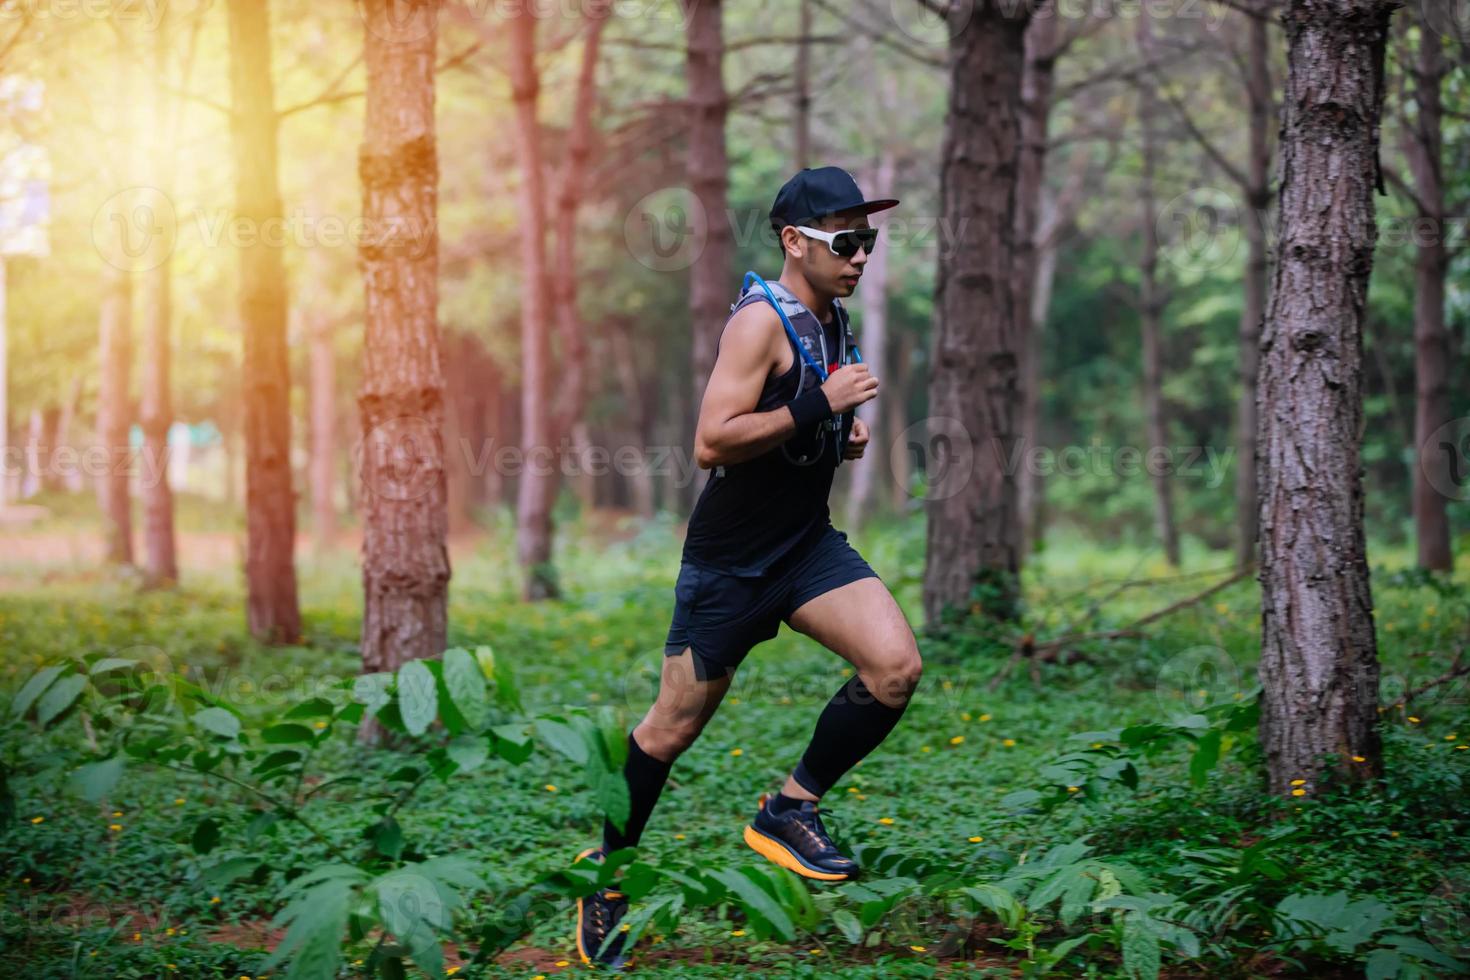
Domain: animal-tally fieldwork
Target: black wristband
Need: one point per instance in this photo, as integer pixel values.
(810, 406)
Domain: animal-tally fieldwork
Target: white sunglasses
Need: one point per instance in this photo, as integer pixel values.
(844, 243)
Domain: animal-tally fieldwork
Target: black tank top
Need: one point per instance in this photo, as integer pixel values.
(753, 512)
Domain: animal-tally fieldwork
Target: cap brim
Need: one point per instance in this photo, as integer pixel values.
(882, 204)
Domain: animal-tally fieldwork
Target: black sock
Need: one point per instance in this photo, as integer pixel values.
(780, 803)
(646, 776)
(852, 725)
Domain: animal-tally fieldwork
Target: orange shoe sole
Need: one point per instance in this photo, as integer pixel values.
(778, 853)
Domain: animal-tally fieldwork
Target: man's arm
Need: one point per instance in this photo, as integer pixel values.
(729, 430)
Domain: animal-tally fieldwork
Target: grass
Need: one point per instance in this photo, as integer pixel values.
(75, 871)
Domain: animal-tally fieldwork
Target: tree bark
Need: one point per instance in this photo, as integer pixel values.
(708, 175)
(973, 528)
(405, 558)
(1319, 658)
(1037, 84)
(270, 503)
(802, 102)
(896, 417)
(1152, 299)
(538, 482)
(1258, 199)
(640, 480)
(1423, 145)
(160, 563)
(115, 356)
(322, 392)
(875, 351)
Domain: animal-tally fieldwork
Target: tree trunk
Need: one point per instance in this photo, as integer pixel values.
(974, 531)
(802, 107)
(1423, 146)
(708, 167)
(875, 351)
(896, 417)
(160, 563)
(538, 482)
(270, 503)
(405, 557)
(1036, 100)
(322, 392)
(640, 480)
(1151, 302)
(1319, 657)
(1258, 199)
(114, 412)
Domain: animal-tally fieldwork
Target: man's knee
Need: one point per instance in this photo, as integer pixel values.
(667, 738)
(896, 675)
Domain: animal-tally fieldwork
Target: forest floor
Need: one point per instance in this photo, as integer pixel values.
(112, 890)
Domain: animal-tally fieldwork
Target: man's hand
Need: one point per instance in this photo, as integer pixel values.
(857, 440)
(849, 386)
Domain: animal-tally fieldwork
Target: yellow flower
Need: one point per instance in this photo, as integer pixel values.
(947, 685)
(814, 952)
(918, 949)
(1462, 746)
(1297, 782)
(1298, 792)
(114, 826)
(563, 962)
(984, 717)
(678, 837)
(322, 724)
(925, 748)
(976, 840)
(550, 788)
(137, 937)
(1097, 745)
(169, 931)
(214, 900)
(117, 813)
(1359, 758)
(1413, 719)
(885, 820)
(1008, 742)
(1393, 833)
(178, 801)
(846, 671)
(734, 700)
(1071, 789)
(1451, 737)
(451, 971)
(852, 789)
(1221, 608)
(957, 740)
(37, 819)
(964, 716)
(862, 796)
(737, 751)
(738, 932)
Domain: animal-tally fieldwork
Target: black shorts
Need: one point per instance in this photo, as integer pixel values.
(721, 616)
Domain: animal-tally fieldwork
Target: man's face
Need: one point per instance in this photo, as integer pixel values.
(826, 271)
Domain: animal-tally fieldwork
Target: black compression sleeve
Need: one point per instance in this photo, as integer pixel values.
(810, 406)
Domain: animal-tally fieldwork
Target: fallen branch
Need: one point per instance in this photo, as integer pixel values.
(1035, 653)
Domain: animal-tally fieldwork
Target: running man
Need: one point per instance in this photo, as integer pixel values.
(776, 419)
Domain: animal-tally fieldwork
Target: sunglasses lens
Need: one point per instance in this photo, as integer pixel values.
(846, 243)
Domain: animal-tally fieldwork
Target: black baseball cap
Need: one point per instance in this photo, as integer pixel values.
(815, 192)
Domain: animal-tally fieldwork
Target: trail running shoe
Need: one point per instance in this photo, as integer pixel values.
(599, 914)
(797, 840)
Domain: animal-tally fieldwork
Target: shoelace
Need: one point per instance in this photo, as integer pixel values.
(601, 906)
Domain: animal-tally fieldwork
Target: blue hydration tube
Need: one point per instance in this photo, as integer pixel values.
(821, 370)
